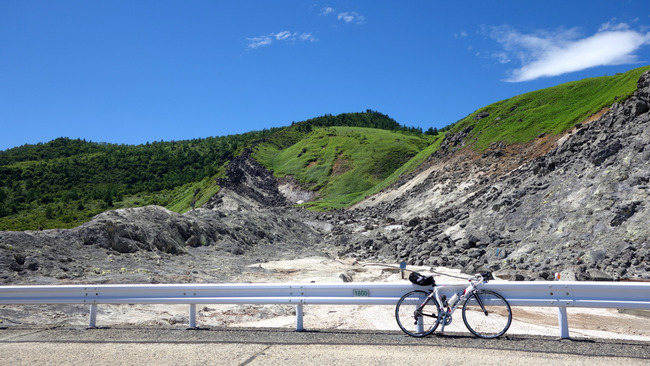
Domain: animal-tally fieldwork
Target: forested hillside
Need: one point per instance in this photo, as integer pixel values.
(65, 182)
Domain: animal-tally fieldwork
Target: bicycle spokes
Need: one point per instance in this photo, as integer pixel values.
(417, 314)
(487, 314)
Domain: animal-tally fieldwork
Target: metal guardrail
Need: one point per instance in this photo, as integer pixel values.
(562, 294)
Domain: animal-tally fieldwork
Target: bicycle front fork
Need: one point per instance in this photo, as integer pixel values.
(480, 303)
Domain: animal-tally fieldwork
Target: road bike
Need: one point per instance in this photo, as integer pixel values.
(485, 313)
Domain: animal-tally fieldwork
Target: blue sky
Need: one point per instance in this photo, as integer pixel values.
(136, 71)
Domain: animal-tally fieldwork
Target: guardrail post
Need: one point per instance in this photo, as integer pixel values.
(420, 321)
(299, 326)
(93, 316)
(563, 322)
(562, 318)
(192, 315)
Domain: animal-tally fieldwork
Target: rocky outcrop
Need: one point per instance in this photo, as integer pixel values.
(247, 186)
(153, 244)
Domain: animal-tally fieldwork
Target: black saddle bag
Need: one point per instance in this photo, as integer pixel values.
(421, 280)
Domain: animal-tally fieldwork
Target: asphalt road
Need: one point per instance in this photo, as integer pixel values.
(152, 346)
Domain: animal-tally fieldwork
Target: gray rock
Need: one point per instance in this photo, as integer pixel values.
(598, 275)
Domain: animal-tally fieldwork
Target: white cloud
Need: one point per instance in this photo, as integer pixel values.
(351, 17)
(502, 57)
(307, 37)
(611, 26)
(256, 42)
(347, 16)
(327, 11)
(551, 54)
(292, 37)
(284, 36)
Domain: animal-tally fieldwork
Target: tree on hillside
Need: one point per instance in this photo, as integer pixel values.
(431, 131)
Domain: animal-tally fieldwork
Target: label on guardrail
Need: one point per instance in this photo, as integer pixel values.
(360, 293)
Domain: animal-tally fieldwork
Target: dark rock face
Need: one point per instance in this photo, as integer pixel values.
(253, 185)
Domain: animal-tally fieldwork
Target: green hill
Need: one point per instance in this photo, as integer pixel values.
(343, 158)
(553, 110)
(342, 163)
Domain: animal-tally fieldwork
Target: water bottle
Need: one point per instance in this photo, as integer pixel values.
(453, 300)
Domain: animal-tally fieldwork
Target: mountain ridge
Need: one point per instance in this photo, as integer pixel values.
(574, 203)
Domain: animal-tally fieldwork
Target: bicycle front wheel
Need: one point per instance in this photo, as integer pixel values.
(487, 314)
(415, 317)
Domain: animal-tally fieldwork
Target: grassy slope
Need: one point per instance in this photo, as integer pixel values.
(342, 163)
(552, 110)
(407, 168)
(199, 192)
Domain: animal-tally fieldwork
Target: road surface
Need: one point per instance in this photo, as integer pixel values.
(223, 346)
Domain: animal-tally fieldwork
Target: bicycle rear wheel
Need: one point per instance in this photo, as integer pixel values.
(487, 314)
(416, 321)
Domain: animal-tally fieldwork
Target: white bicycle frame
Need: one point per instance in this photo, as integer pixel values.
(444, 311)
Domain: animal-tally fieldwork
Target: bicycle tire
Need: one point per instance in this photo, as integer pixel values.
(491, 323)
(406, 312)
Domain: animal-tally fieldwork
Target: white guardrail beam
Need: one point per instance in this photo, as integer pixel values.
(562, 294)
